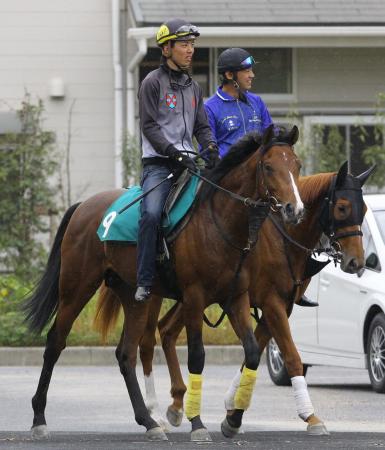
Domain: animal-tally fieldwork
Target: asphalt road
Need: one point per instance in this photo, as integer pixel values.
(88, 408)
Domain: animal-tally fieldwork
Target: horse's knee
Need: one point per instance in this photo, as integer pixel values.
(146, 347)
(125, 362)
(167, 338)
(252, 352)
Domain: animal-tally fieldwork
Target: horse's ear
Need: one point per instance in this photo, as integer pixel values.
(268, 134)
(341, 175)
(293, 135)
(365, 175)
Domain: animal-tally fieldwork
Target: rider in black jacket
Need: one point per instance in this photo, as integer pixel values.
(171, 112)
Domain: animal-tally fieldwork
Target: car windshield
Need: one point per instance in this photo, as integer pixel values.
(380, 219)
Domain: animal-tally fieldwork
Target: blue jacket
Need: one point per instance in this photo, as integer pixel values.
(230, 118)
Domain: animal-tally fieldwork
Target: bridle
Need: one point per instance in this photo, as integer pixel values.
(275, 204)
(351, 191)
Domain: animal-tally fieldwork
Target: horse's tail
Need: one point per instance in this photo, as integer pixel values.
(42, 305)
(107, 311)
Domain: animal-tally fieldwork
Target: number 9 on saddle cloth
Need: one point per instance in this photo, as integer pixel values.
(178, 208)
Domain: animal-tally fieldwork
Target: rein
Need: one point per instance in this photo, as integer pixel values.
(258, 211)
(328, 224)
(256, 218)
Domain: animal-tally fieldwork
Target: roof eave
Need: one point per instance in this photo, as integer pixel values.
(339, 35)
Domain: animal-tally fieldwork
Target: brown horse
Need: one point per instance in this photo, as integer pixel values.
(334, 205)
(257, 168)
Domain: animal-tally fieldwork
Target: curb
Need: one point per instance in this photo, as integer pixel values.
(105, 356)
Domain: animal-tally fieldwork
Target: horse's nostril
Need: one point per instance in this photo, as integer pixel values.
(289, 208)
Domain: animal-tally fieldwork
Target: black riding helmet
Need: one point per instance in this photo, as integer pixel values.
(234, 59)
(176, 30)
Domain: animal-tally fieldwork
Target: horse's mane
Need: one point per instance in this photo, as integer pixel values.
(312, 186)
(237, 154)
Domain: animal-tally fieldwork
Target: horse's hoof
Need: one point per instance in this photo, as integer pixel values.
(200, 435)
(227, 430)
(174, 416)
(317, 429)
(156, 434)
(157, 416)
(40, 432)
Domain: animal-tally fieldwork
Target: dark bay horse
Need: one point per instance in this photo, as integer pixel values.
(256, 168)
(334, 206)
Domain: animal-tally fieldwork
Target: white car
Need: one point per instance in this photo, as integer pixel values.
(347, 329)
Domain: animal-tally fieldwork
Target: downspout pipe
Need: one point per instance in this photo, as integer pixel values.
(118, 92)
(131, 88)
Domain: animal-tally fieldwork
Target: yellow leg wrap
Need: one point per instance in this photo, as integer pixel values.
(245, 390)
(194, 393)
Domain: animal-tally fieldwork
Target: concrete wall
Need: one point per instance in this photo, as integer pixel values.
(71, 39)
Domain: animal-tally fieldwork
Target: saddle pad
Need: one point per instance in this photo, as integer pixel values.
(124, 226)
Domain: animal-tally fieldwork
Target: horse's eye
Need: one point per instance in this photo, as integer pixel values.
(268, 168)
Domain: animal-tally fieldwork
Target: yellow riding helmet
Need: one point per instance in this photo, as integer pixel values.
(176, 30)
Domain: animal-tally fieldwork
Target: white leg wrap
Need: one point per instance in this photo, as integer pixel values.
(230, 394)
(301, 396)
(151, 400)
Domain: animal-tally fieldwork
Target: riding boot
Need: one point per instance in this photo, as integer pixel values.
(305, 301)
(142, 293)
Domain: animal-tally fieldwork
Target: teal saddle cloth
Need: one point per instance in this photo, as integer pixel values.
(124, 227)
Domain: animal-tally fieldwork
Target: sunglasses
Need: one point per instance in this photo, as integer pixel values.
(187, 29)
(246, 63)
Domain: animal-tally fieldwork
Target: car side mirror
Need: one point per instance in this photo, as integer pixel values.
(371, 261)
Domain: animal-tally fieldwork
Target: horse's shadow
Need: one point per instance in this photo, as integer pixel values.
(346, 387)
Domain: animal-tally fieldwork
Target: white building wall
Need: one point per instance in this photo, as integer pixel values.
(340, 77)
(71, 39)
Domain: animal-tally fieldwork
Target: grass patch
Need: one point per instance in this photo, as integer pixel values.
(14, 331)
(83, 333)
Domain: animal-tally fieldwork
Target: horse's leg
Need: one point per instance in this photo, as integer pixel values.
(73, 296)
(146, 351)
(193, 307)
(135, 320)
(277, 320)
(240, 319)
(170, 326)
(262, 335)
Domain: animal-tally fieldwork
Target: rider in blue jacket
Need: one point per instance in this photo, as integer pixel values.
(234, 111)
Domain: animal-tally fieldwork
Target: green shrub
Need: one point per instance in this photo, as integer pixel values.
(13, 330)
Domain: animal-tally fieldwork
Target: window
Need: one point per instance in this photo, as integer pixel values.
(334, 139)
(200, 69)
(274, 71)
(371, 256)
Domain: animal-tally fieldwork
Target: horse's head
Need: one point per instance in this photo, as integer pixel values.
(278, 173)
(342, 215)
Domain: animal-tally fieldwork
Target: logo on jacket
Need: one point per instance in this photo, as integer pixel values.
(231, 122)
(171, 100)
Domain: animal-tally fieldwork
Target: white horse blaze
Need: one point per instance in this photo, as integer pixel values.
(299, 205)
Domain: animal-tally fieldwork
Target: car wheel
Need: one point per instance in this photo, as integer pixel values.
(276, 366)
(375, 353)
